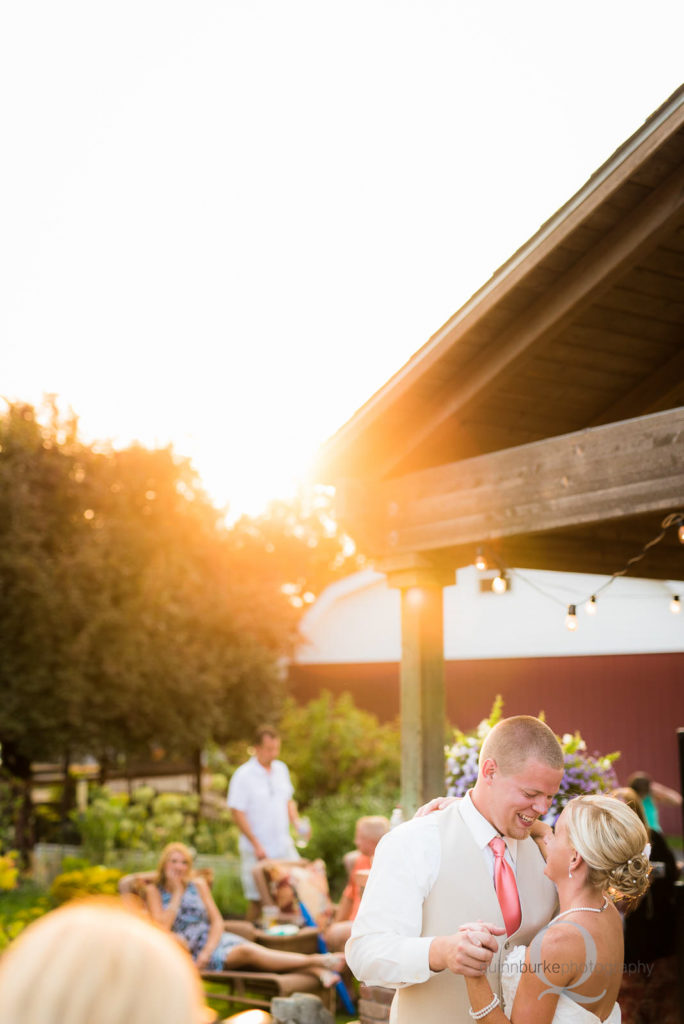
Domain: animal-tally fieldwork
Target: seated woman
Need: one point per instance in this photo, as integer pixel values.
(181, 902)
(369, 832)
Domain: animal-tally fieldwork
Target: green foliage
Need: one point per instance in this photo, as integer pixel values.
(120, 603)
(75, 863)
(90, 881)
(9, 803)
(333, 747)
(303, 545)
(131, 617)
(228, 894)
(145, 822)
(333, 820)
(99, 824)
(9, 872)
(18, 908)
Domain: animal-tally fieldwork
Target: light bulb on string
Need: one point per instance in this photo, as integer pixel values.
(675, 604)
(480, 560)
(590, 606)
(500, 583)
(571, 618)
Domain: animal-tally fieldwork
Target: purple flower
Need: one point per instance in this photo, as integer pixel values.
(584, 773)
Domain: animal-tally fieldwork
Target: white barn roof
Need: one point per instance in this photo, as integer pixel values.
(357, 620)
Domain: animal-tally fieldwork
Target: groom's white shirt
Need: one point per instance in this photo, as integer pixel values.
(386, 947)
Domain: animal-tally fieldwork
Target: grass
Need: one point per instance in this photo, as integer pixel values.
(18, 907)
(229, 1009)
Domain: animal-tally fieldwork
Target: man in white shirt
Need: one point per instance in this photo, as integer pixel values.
(260, 797)
(435, 873)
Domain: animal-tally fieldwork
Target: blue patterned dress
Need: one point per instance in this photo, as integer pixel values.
(192, 924)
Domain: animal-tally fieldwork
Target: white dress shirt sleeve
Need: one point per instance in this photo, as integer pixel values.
(386, 947)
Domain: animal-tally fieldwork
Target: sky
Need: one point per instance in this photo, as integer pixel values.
(225, 223)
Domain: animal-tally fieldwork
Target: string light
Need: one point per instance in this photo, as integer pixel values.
(500, 583)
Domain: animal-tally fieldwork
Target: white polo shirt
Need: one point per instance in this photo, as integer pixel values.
(263, 795)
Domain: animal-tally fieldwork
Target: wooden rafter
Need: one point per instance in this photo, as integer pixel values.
(653, 393)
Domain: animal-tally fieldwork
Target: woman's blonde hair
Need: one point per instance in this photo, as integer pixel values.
(611, 839)
(168, 850)
(95, 962)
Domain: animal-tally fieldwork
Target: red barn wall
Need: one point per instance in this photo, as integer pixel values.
(631, 703)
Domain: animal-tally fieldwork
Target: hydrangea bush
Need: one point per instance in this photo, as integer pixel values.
(584, 773)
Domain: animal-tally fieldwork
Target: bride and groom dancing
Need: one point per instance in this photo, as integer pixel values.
(458, 912)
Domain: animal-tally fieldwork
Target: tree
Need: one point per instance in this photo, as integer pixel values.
(128, 616)
(332, 748)
(301, 545)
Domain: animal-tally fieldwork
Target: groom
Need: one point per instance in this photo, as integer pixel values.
(437, 872)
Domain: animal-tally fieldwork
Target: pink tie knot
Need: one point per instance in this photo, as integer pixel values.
(498, 846)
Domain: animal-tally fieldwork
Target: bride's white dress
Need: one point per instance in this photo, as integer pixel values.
(567, 1010)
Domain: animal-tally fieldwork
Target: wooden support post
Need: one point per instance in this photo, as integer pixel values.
(421, 683)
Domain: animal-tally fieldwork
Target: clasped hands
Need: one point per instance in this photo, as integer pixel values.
(468, 951)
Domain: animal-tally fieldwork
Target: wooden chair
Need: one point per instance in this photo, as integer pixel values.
(249, 987)
(266, 874)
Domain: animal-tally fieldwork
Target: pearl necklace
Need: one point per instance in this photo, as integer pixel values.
(573, 910)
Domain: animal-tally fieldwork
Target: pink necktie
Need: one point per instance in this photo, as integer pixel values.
(506, 888)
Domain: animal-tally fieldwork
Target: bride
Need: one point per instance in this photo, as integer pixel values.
(571, 971)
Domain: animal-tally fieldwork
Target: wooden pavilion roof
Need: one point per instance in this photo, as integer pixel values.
(546, 417)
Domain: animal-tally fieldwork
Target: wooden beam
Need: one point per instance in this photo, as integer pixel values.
(636, 234)
(593, 476)
(566, 551)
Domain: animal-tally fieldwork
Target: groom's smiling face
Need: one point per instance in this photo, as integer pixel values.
(514, 802)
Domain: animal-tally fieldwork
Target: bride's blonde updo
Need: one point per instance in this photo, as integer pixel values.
(612, 842)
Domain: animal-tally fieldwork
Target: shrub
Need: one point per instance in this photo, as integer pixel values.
(9, 872)
(92, 881)
(331, 746)
(146, 822)
(333, 821)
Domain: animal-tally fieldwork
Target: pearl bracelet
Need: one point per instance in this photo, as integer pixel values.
(479, 1014)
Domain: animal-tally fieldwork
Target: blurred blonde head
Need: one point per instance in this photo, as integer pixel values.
(373, 827)
(95, 962)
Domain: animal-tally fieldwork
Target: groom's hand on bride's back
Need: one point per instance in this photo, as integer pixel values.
(468, 951)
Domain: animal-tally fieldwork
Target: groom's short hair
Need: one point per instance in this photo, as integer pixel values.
(514, 741)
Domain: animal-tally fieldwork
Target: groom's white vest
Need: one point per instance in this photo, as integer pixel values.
(464, 891)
